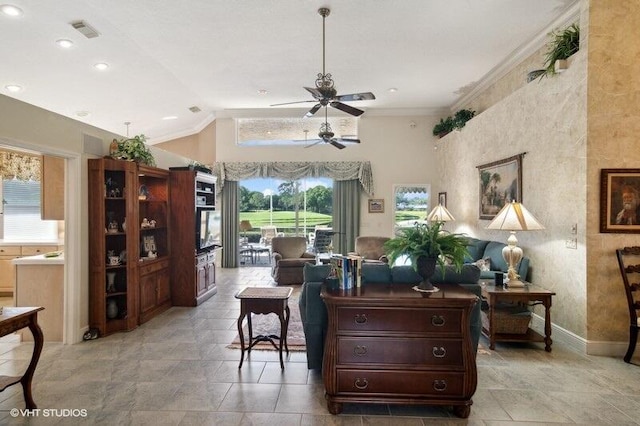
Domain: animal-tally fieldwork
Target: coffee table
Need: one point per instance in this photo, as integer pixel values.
(264, 300)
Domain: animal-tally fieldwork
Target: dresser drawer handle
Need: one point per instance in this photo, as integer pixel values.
(437, 320)
(440, 385)
(361, 318)
(361, 383)
(360, 350)
(439, 352)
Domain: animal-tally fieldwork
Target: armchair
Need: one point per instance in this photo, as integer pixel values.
(371, 248)
(289, 257)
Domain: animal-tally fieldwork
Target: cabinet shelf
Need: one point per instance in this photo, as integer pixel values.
(114, 294)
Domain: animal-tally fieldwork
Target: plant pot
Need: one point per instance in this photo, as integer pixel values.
(426, 266)
(535, 74)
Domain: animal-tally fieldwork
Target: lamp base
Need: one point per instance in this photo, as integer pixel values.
(515, 284)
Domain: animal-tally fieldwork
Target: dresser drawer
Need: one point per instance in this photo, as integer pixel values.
(424, 383)
(154, 267)
(400, 320)
(398, 351)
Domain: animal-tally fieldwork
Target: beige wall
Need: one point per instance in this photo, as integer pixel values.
(199, 146)
(614, 126)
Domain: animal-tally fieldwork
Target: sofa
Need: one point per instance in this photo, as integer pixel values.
(487, 256)
(289, 256)
(313, 311)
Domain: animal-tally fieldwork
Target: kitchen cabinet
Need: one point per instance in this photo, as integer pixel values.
(8, 269)
(52, 188)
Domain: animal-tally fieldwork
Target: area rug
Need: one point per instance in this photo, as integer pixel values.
(270, 324)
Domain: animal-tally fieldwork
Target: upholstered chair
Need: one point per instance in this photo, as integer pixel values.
(371, 248)
(289, 257)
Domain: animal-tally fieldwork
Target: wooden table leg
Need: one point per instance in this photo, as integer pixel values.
(492, 328)
(547, 324)
(240, 333)
(286, 326)
(26, 380)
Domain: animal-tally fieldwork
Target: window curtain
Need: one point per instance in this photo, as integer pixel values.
(357, 173)
(19, 166)
(346, 215)
(229, 221)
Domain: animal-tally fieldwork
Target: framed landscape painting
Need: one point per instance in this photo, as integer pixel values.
(620, 200)
(376, 205)
(500, 182)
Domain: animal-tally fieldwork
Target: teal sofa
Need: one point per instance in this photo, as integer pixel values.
(313, 311)
(491, 252)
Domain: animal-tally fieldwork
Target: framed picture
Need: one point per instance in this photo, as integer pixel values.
(376, 205)
(442, 199)
(148, 244)
(500, 182)
(620, 200)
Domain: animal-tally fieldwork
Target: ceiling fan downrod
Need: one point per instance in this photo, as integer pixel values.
(324, 81)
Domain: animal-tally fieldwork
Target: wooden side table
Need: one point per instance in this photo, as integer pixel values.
(264, 300)
(530, 295)
(14, 319)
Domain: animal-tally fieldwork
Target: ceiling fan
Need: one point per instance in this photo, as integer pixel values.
(326, 136)
(325, 94)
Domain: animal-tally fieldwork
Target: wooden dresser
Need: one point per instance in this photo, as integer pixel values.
(389, 344)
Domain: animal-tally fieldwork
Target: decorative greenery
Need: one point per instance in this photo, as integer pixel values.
(450, 123)
(563, 44)
(134, 149)
(430, 240)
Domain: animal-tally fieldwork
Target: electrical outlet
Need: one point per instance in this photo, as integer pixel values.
(574, 229)
(571, 243)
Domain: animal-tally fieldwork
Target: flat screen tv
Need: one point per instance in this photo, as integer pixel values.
(207, 229)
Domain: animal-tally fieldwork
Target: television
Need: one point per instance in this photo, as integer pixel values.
(207, 228)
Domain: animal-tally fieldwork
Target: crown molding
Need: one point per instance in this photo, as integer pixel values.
(518, 55)
(183, 133)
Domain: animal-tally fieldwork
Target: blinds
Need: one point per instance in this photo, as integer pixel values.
(21, 208)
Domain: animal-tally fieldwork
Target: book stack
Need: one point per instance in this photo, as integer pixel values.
(347, 269)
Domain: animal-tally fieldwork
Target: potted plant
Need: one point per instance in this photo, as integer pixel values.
(562, 45)
(445, 126)
(427, 244)
(461, 117)
(133, 149)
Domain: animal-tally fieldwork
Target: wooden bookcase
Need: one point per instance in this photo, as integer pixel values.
(131, 289)
(193, 272)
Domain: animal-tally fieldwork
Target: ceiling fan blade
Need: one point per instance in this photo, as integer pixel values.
(314, 142)
(365, 96)
(313, 110)
(314, 92)
(296, 102)
(347, 108)
(336, 144)
(348, 140)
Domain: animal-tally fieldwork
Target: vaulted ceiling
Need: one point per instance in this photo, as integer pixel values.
(237, 57)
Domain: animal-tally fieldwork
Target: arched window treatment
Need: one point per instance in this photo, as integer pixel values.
(353, 176)
(336, 170)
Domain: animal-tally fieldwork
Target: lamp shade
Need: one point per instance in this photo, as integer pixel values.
(515, 217)
(440, 214)
(245, 225)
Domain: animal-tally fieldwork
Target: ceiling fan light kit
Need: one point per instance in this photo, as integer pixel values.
(325, 94)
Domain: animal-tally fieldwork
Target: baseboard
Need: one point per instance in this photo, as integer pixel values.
(580, 344)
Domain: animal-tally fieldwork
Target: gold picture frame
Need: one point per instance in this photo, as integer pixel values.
(376, 205)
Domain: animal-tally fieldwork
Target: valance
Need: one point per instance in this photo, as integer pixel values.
(19, 166)
(336, 170)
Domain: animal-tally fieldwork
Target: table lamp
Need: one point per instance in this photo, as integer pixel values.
(245, 226)
(514, 217)
(440, 214)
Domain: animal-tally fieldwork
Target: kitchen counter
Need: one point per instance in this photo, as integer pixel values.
(39, 259)
(31, 242)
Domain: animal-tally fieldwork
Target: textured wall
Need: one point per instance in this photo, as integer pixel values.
(614, 126)
(547, 120)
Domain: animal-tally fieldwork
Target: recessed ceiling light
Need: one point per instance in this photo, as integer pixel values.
(64, 43)
(11, 10)
(170, 117)
(13, 88)
(393, 89)
(101, 66)
(82, 113)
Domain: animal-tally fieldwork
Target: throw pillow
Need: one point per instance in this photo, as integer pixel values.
(483, 264)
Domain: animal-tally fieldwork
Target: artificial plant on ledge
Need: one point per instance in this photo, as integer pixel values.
(132, 149)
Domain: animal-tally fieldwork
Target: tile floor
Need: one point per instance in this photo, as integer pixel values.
(176, 370)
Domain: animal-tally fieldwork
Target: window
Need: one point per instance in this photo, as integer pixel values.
(21, 212)
(411, 204)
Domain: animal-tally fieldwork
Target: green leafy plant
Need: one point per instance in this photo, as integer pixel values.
(134, 149)
(429, 240)
(562, 45)
(461, 117)
(458, 121)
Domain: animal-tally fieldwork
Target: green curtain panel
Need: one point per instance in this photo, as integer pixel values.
(229, 222)
(346, 214)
